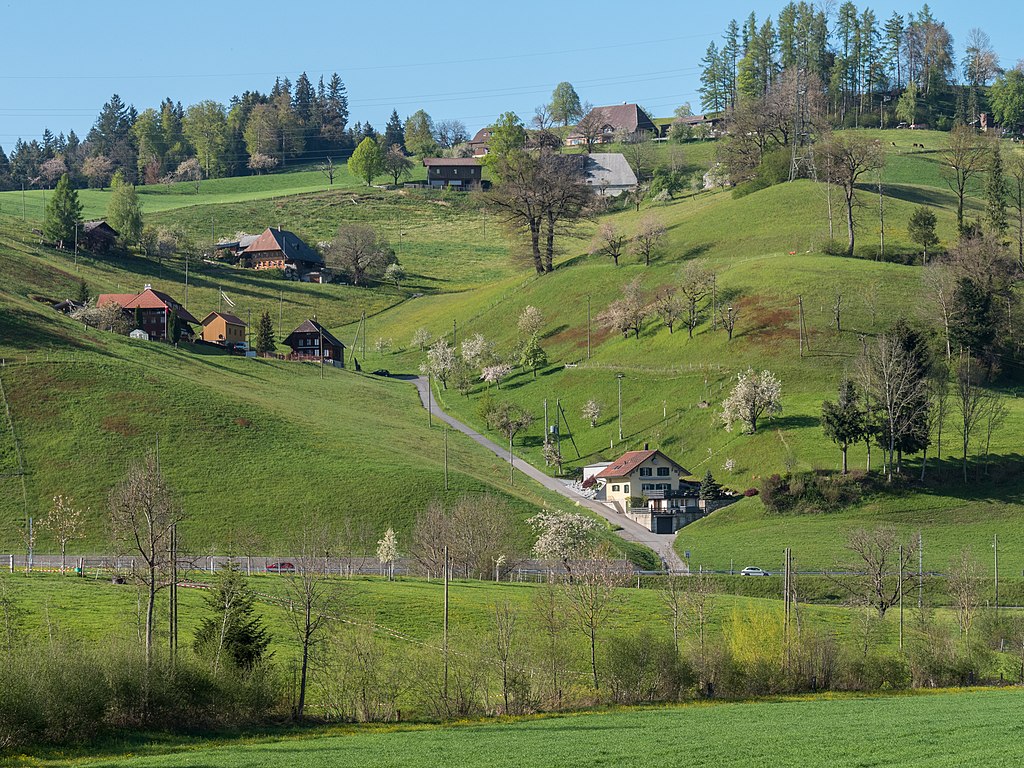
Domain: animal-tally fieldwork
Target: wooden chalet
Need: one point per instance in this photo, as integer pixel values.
(615, 122)
(153, 312)
(280, 249)
(311, 341)
(480, 143)
(455, 172)
(98, 236)
(224, 329)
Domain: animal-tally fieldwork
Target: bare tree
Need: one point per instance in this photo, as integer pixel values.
(889, 376)
(506, 652)
(627, 313)
(590, 129)
(592, 597)
(565, 198)
(700, 602)
(728, 316)
(327, 169)
(668, 305)
(940, 282)
(360, 252)
(969, 401)
(880, 571)
(143, 514)
(965, 156)
(995, 413)
(550, 647)
(649, 236)
(1015, 171)
(449, 133)
(609, 241)
(848, 157)
(673, 595)
(396, 164)
(311, 595)
(639, 153)
(695, 283)
(964, 584)
(64, 521)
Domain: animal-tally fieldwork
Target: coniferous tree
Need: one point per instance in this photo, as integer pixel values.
(264, 343)
(710, 489)
(82, 296)
(996, 192)
(233, 631)
(63, 212)
(394, 132)
(844, 420)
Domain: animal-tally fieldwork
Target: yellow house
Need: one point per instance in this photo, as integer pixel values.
(637, 474)
(223, 328)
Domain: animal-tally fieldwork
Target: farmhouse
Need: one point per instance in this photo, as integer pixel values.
(613, 123)
(153, 312)
(98, 236)
(311, 341)
(223, 328)
(235, 248)
(480, 143)
(457, 172)
(608, 173)
(650, 488)
(280, 249)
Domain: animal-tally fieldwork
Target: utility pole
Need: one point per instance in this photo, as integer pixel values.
(881, 219)
(76, 245)
(785, 596)
(800, 304)
(363, 322)
(446, 457)
(546, 430)
(455, 333)
(280, 311)
(619, 377)
(186, 280)
(920, 570)
(588, 327)
(714, 302)
(901, 596)
(511, 463)
(248, 332)
(321, 351)
(995, 571)
(444, 644)
(430, 396)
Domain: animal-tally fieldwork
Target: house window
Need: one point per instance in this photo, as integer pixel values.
(625, 488)
(645, 471)
(615, 489)
(662, 471)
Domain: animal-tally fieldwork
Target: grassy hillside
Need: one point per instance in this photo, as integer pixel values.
(935, 729)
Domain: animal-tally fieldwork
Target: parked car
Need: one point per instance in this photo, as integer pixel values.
(753, 570)
(281, 568)
(382, 372)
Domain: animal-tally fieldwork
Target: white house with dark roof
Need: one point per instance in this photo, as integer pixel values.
(609, 173)
(614, 122)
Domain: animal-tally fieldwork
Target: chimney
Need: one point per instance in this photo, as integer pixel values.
(647, 447)
(147, 287)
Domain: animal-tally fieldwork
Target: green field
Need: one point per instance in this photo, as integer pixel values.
(978, 728)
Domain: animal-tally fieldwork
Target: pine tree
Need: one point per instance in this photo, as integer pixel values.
(712, 98)
(710, 490)
(394, 133)
(996, 190)
(63, 212)
(265, 335)
(233, 631)
(844, 420)
(82, 296)
(124, 212)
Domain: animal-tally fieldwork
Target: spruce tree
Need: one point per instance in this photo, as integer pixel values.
(232, 632)
(710, 490)
(394, 133)
(844, 421)
(82, 297)
(63, 212)
(264, 343)
(124, 212)
(996, 191)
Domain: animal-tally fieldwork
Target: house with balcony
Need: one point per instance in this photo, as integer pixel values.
(311, 341)
(455, 172)
(154, 312)
(651, 489)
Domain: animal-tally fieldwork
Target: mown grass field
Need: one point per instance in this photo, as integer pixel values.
(936, 729)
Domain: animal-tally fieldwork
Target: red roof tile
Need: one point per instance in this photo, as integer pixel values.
(629, 461)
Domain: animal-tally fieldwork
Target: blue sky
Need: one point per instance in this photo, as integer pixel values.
(467, 61)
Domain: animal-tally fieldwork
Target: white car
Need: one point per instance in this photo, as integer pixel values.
(753, 570)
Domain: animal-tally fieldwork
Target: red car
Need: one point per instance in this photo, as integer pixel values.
(281, 568)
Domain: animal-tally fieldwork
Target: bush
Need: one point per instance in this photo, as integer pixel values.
(644, 668)
(774, 169)
(813, 492)
(751, 492)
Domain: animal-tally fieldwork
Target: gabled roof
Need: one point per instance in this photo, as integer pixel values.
(287, 242)
(241, 243)
(450, 161)
(609, 169)
(312, 326)
(226, 317)
(621, 117)
(629, 461)
(97, 226)
(482, 136)
(148, 299)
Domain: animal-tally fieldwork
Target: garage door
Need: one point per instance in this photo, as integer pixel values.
(663, 524)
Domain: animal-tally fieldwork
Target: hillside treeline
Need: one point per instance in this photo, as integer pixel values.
(866, 69)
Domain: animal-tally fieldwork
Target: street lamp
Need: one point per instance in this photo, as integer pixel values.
(620, 377)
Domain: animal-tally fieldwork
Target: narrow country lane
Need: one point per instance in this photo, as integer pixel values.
(629, 530)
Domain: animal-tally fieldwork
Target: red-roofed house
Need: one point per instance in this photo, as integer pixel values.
(650, 488)
(153, 311)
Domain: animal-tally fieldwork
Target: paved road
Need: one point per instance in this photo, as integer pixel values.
(628, 529)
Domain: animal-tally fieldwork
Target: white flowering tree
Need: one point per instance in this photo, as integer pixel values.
(387, 552)
(592, 412)
(421, 339)
(493, 374)
(755, 395)
(531, 322)
(563, 536)
(440, 362)
(477, 351)
(64, 521)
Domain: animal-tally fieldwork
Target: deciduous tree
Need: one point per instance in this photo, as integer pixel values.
(963, 158)
(396, 164)
(367, 161)
(627, 313)
(124, 211)
(755, 395)
(64, 521)
(360, 252)
(847, 158)
(921, 229)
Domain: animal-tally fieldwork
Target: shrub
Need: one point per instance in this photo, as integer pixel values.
(645, 668)
(751, 492)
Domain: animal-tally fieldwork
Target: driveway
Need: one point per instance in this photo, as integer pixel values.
(629, 530)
